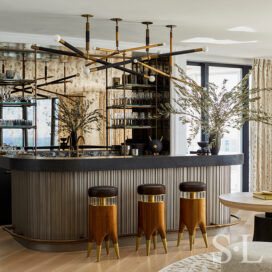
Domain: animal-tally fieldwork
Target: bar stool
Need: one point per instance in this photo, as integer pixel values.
(151, 215)
(192, 210)
(103, 218)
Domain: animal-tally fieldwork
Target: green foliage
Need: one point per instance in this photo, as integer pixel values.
(75, 114)
(215, 109)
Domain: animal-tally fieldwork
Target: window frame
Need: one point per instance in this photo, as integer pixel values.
(245, 130)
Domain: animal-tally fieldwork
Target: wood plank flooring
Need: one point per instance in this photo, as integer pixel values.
(16, 258)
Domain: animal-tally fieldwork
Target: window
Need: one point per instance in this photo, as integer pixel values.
(194, 72)
(44, 110)
(236, 141)
(14, 137)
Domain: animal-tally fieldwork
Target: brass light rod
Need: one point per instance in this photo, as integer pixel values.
(166, 75)
(130, 49)
(116, 20)
(87, 34)
(114, 52)
(113, 65)
(105, 63)
(171, 46)
(147, 35)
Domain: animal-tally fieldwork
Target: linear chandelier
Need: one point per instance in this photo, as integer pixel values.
(103, 60)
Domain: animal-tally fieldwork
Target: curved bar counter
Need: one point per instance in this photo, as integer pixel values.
(50, 195)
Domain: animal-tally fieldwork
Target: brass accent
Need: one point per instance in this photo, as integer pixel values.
(107, 245)
(171, 47)
(205, 239)
(98, 252)
(130, 49)
(165, 245)
(90, 244)
(116, 52)
(147, 247)
(192, 195)
(138, 243)
(147, 35)
(116, 20)
(155, 240)
(179, 238)
(103, 201)
(116, 247)
(191, 239)
(151, 198)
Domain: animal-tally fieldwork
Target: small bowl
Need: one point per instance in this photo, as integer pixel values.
(203, 144)
(10, 74)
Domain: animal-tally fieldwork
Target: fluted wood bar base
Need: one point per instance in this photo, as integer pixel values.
(53, 206)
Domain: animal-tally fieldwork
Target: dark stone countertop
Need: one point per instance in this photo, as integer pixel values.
(64, 164)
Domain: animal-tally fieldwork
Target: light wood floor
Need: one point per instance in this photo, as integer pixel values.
(15, 258)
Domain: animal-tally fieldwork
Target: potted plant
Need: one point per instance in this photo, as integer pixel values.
(215, 109)
(75, 115)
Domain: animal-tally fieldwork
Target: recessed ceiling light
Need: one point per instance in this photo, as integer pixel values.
(242, 29)
(215, 41)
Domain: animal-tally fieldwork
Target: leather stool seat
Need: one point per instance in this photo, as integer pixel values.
(151, 189)
(103, 191)
(192, 186)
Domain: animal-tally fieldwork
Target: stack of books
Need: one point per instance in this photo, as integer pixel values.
(266, 195)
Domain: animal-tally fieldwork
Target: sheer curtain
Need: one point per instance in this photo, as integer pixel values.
(260, 134)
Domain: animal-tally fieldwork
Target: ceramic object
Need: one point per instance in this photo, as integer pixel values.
(215, 144)
(10, 74)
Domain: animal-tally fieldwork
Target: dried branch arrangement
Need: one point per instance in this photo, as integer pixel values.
(75, 114)
(215, 109)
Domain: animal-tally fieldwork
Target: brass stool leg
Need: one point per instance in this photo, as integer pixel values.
(116, 248)
(114, 237)
(191, 238)
(90, 244)
(162, 232)
(204, 233)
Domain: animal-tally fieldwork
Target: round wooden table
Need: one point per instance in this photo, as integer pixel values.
(246, 201)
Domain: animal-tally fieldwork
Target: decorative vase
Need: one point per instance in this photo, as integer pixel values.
(73, 136)
(215, 143)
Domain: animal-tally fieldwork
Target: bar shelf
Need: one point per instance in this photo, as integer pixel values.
(131, 127)
(131, 86)
(15, 82)
(132, 106)
(17, 127)
(16, 104)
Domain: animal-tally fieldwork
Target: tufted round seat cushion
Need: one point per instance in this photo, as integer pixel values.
(151, 189)
(192, 186)
(103, 191)
(254, 251)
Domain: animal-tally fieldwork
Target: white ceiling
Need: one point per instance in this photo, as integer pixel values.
(209, 19)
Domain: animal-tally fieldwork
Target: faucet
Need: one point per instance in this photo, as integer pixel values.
(78, 139)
